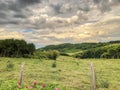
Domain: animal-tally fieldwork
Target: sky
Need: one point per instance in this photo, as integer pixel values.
(45, 22)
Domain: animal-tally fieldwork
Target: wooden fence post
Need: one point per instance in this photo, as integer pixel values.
(92, 76)
(21, 74)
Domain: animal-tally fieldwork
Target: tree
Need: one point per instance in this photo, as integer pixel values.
(52, 54)
(15, 48)
(31, 48)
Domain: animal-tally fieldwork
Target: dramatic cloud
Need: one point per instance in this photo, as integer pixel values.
(46, 22)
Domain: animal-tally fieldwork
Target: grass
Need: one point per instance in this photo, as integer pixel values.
(69, 72)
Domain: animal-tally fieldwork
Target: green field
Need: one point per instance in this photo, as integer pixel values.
(71, 73)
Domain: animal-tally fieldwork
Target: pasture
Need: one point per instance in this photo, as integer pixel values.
(69, 73)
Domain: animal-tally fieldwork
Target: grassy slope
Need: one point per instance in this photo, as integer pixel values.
(70, 72)
(71, 48)
(107, 47)
(111, 46)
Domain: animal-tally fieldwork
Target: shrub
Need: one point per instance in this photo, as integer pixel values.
(104, 84)
(10, 65)
(64, 54)
(52, 54)
(54, 65)
(39, 55)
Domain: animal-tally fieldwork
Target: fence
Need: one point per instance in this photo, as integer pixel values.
(92, 75)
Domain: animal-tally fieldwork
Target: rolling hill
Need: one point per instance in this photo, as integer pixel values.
(87, 50)
(71, 48)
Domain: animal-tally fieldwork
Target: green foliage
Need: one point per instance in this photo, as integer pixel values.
(87, 50)
(50, 87)
(8, 85)
(54, 64)
(39, 55)
(1, 81)
(10, 66)
(67, 47)
(13, 85)
(105, 84)
(108, 51)
(51, 54)
(105, 55)
(67, 73)
(64, 54)
(15, 48)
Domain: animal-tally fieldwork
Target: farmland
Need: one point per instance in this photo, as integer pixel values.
(70, 73)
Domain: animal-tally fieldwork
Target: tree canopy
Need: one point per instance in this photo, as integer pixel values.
(16, 48)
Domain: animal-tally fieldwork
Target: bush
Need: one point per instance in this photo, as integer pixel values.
(39, 55)
(104, 84)
(52, 54)
(10, 66)
(78, 55)
(54, 65)
(64, 54)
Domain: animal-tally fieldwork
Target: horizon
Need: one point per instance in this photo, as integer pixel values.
(53, 22)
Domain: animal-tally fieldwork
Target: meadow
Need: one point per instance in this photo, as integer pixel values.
(69, 73)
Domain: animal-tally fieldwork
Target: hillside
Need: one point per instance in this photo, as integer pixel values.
(87, 50)
(108, 51)
(72, 48)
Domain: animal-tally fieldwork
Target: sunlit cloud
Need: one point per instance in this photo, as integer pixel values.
(4, 34)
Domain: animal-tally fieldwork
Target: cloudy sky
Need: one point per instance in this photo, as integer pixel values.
(45, 22)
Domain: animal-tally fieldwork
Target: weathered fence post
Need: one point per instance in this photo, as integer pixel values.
(21, 74)
(92, 76)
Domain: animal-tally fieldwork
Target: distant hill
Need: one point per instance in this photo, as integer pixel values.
(71, 48)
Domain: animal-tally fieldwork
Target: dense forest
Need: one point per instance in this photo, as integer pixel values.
(16, 48)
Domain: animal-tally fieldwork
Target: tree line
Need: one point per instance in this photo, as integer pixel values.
(16, 48)
(109, 51)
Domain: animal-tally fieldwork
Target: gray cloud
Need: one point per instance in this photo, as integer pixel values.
(103, 5)
(17, 15)
(97, 1)
(64, 9)
(45, 17)
(29, 1)
(56, 8)
(2, 15)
